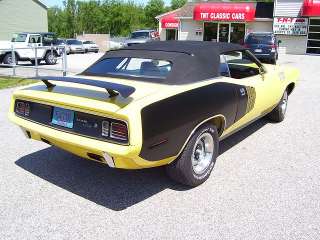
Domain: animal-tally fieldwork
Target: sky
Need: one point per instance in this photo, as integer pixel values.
(51, 3)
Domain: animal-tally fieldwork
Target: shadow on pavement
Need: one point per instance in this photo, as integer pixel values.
(111, 188)
(238, 137)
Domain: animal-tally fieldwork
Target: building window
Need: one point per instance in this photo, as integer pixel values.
(313, 45)
(224, 32)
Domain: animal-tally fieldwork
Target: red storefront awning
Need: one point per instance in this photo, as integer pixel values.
(311, 8)
(169, 21)
(235, 12)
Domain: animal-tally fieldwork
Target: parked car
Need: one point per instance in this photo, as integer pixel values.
(90, 46)
(160, 103)
(76, 46)
(63, 43)
(142, 36)
(24, 44)
(116, 44)
(263, 45)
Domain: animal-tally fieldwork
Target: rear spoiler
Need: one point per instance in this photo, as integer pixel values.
(112, 88)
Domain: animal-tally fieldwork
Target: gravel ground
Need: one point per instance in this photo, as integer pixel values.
(266, 185)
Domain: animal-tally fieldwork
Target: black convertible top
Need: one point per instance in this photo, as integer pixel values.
(192, 61)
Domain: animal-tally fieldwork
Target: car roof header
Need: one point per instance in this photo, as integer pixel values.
(188, 47)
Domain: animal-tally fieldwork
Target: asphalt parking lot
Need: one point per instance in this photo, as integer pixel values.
(266, 184)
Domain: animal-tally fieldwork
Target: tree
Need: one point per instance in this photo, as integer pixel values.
(175, 4)
(70, 17)
(153, 9)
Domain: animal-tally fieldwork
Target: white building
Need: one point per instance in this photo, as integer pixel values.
(295, 22)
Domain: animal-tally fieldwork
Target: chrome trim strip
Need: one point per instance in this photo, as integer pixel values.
(197, 126)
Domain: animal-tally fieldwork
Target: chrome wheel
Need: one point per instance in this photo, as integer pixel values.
(202, 153)
(51, 58)
(10, 60)
(284, 103)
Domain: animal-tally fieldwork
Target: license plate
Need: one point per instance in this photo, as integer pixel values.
(258, 50)
(63, 117)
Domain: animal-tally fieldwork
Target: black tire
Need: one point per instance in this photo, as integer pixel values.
(50, 58)
(279, 112)
(182, 169)
(273, 61)
(8, 59)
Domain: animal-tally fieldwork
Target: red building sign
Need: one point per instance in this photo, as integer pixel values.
(235, 12)
(311, 8)
(169, 21)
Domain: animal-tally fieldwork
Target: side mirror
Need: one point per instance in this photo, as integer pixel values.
(262, 70)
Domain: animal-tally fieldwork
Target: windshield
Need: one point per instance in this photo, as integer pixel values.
(19, 37)
(259, 39)
(132, 67)
(140, 35)
(88, 42)
(74, 42)
(60, 42)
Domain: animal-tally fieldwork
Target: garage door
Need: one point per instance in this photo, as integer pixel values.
(313, 45)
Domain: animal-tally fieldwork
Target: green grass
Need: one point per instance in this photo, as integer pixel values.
(9, 82)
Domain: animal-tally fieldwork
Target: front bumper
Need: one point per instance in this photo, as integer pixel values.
(93, 49)
(271, 55)
(77, 50)
(114, 155)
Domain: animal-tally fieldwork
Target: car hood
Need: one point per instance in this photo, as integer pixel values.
(75, 46)
(137, 40)
(90, 45)
(8, 44)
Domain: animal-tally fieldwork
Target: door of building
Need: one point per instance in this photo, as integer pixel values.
(224, 31)
(237, 33)
(171, 34)
(210, 31)
(313, 45)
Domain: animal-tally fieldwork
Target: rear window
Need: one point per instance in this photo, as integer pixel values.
(259, 39)
(140, 35)
(131, 67)
(74, 42)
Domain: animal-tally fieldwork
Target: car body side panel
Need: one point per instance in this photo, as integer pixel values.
(167, 123)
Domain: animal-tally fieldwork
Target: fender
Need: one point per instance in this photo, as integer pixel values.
(168, 123)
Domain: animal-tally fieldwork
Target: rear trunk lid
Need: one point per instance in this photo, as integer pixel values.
(86, 97)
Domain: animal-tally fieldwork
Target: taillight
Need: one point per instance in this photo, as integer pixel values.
(119, 131)
(115, 130)
(22, 108)
(273, 47)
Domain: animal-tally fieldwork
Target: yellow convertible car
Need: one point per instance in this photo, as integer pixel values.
(155, 104)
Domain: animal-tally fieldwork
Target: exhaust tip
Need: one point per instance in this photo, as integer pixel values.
(105, 159)
(96, 157)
